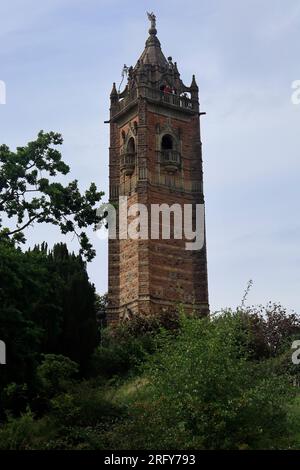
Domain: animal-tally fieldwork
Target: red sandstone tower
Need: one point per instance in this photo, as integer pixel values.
(155, 158)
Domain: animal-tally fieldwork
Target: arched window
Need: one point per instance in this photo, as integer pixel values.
(128, 157)
(167, 142)
(131, 146)
(169, 155)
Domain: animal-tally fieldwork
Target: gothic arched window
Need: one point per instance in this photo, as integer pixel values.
(130, 146)
(167, 142)
(169, 155)
(128, 157)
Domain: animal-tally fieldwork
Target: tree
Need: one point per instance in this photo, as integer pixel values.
(47, 306)
(28, 193)
(56, 374)
(204, 392)
(270, 328)
(77, 299)
(22, 285)
(101, 305)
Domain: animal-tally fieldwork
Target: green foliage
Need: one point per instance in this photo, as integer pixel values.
(82, 405)
(205, 393)
(80, 417)
(77, 417)
(56, 374)
(17, 433)
(201, 384)
(292, 439)
(14, 397)
(47, 306)
(101, 304)
(125, 346)
(29, 195)
(26, 433)
(120, 352)
(270, 329)
(21, 280)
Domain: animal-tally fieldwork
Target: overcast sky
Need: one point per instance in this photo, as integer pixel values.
(59, 59)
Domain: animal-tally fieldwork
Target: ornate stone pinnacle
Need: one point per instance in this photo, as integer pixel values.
(152, 19)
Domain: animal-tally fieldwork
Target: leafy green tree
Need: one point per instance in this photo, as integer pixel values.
(47, 306)
(30, 192)
(56, 374)
(101, 304)
(271, 329)
(22, 284)
(203, 392)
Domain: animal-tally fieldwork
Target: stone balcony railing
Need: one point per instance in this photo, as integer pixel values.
(128, 99)
(170, 160)
(182, 102)
(173, 100)
(127, 163)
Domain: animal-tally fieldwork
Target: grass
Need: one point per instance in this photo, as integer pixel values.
(294, 420)
(127, 392)
(43, 433)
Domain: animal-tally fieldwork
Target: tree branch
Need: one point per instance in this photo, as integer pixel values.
(22, 228)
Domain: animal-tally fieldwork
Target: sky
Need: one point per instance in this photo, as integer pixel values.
(59, 58)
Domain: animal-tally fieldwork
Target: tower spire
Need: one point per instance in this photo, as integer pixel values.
(152, 54)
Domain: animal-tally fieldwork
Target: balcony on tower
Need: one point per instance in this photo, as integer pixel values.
(127, 162)
(170, 160)
(169, 156)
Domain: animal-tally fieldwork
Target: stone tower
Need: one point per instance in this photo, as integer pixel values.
(155, 158)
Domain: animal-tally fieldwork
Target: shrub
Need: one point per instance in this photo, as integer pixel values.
(120, 351)
(56, 374)
(24, 433)
(127, 345)
(205, 393)
(270, 329)
(82, 406)
(14, 398)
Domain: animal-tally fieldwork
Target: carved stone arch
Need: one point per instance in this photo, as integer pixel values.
(164, 129)
(169, 148)
(128, 151)
(174, 137)
(131, 134)
(131, 146)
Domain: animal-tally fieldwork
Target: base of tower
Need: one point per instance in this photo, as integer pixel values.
(153, 307)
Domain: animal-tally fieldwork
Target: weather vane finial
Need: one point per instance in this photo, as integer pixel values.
(152, 18)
